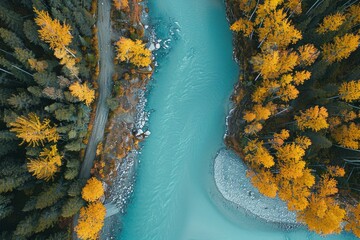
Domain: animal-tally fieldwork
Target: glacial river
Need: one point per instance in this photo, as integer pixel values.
(175, 197)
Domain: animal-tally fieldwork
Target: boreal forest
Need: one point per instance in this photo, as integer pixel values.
(296, 121)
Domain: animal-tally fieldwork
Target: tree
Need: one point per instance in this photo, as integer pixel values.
(257, 154)
(133, 52)
(314, 118)
(91, 220)
(244, 26)
(331, 23)
(93, 190)
(347, 135)
(32, 131)
(50, 196)
(323, 215)
(5, 206)
(39, 66)
(46, 165)
(308, 54)
(350, 91)
(341, 48)
(58, 36)
(264, 181)
(82, 92)
(72, 207)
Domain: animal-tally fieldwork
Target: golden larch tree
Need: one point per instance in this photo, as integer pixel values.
(93, 190)
(46, 165)
(264, 181)
(244, 26)
(133, 52)
(314, 118)
(308, 54)
(91, 220)
(350, 91)
(33, 131)
(347, 135)
(331, 23)
(257, 154)
(341, 48)
(82, 92)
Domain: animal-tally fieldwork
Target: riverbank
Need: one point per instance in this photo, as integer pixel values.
(234, 186)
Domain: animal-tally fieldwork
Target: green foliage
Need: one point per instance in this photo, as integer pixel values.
(72, 206)
(5, 207)
(50, 195)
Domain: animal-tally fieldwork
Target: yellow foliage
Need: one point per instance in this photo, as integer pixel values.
(133, 51)
(314, 118)
(303, 142)
(249, 116)
(323, 215)
(264, 181)
(91, 220)
(350, 91)
(300, 77)
(354, 14)
(347, 135)
(308, 54)
(336, 171)
(294, 6)
(46, 165)
(331, 23)
(341, 48)
(243, 25)
(257, 154)
(82, 92)
(39, 66)
(93, 190)
(121, 5)
(288, 92)
(278, 31)
(279, 138)
(290, 152)
(32, 131)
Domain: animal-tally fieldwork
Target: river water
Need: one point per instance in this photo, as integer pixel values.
(175, 197)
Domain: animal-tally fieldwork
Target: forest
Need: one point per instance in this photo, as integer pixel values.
(49, 66)
(296, 118)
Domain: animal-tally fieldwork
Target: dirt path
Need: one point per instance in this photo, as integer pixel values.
(105, 82)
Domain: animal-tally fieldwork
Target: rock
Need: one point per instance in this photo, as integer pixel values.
(152, 47)
(139, 132)
(149, 68)
(157, 45)
(146, 26)
(147, 133)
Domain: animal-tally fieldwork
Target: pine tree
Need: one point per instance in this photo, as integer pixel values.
(314, 118)
(82, 92)
(133, 52)
(71, 207)
(341, 48)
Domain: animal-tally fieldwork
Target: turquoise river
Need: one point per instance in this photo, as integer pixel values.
(175, 197)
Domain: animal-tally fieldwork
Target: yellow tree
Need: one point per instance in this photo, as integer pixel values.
(347, 135)
(308, 54)
(350, 91)
(46, 165)
(341, 48)
(295, 191)
(93, 190)
(58, 36)
(257, 154)
(301, 76)
(244, 26)
(32, 131)
(323, 215)
(91, 220)
(331, 23)
(264, 181)
(39, 66)
(133, 52)
(353, 220)
(82, 92)
(314, 118)
(277, 30)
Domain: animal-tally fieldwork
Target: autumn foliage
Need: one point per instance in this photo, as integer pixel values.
(133, 52)
(33, 131)
(91, 220)
(82, 92)
(297, 120)
(93, 190)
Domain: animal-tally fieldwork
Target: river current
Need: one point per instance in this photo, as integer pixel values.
(175, 197)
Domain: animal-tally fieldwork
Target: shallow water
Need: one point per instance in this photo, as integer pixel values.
(174, 196)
